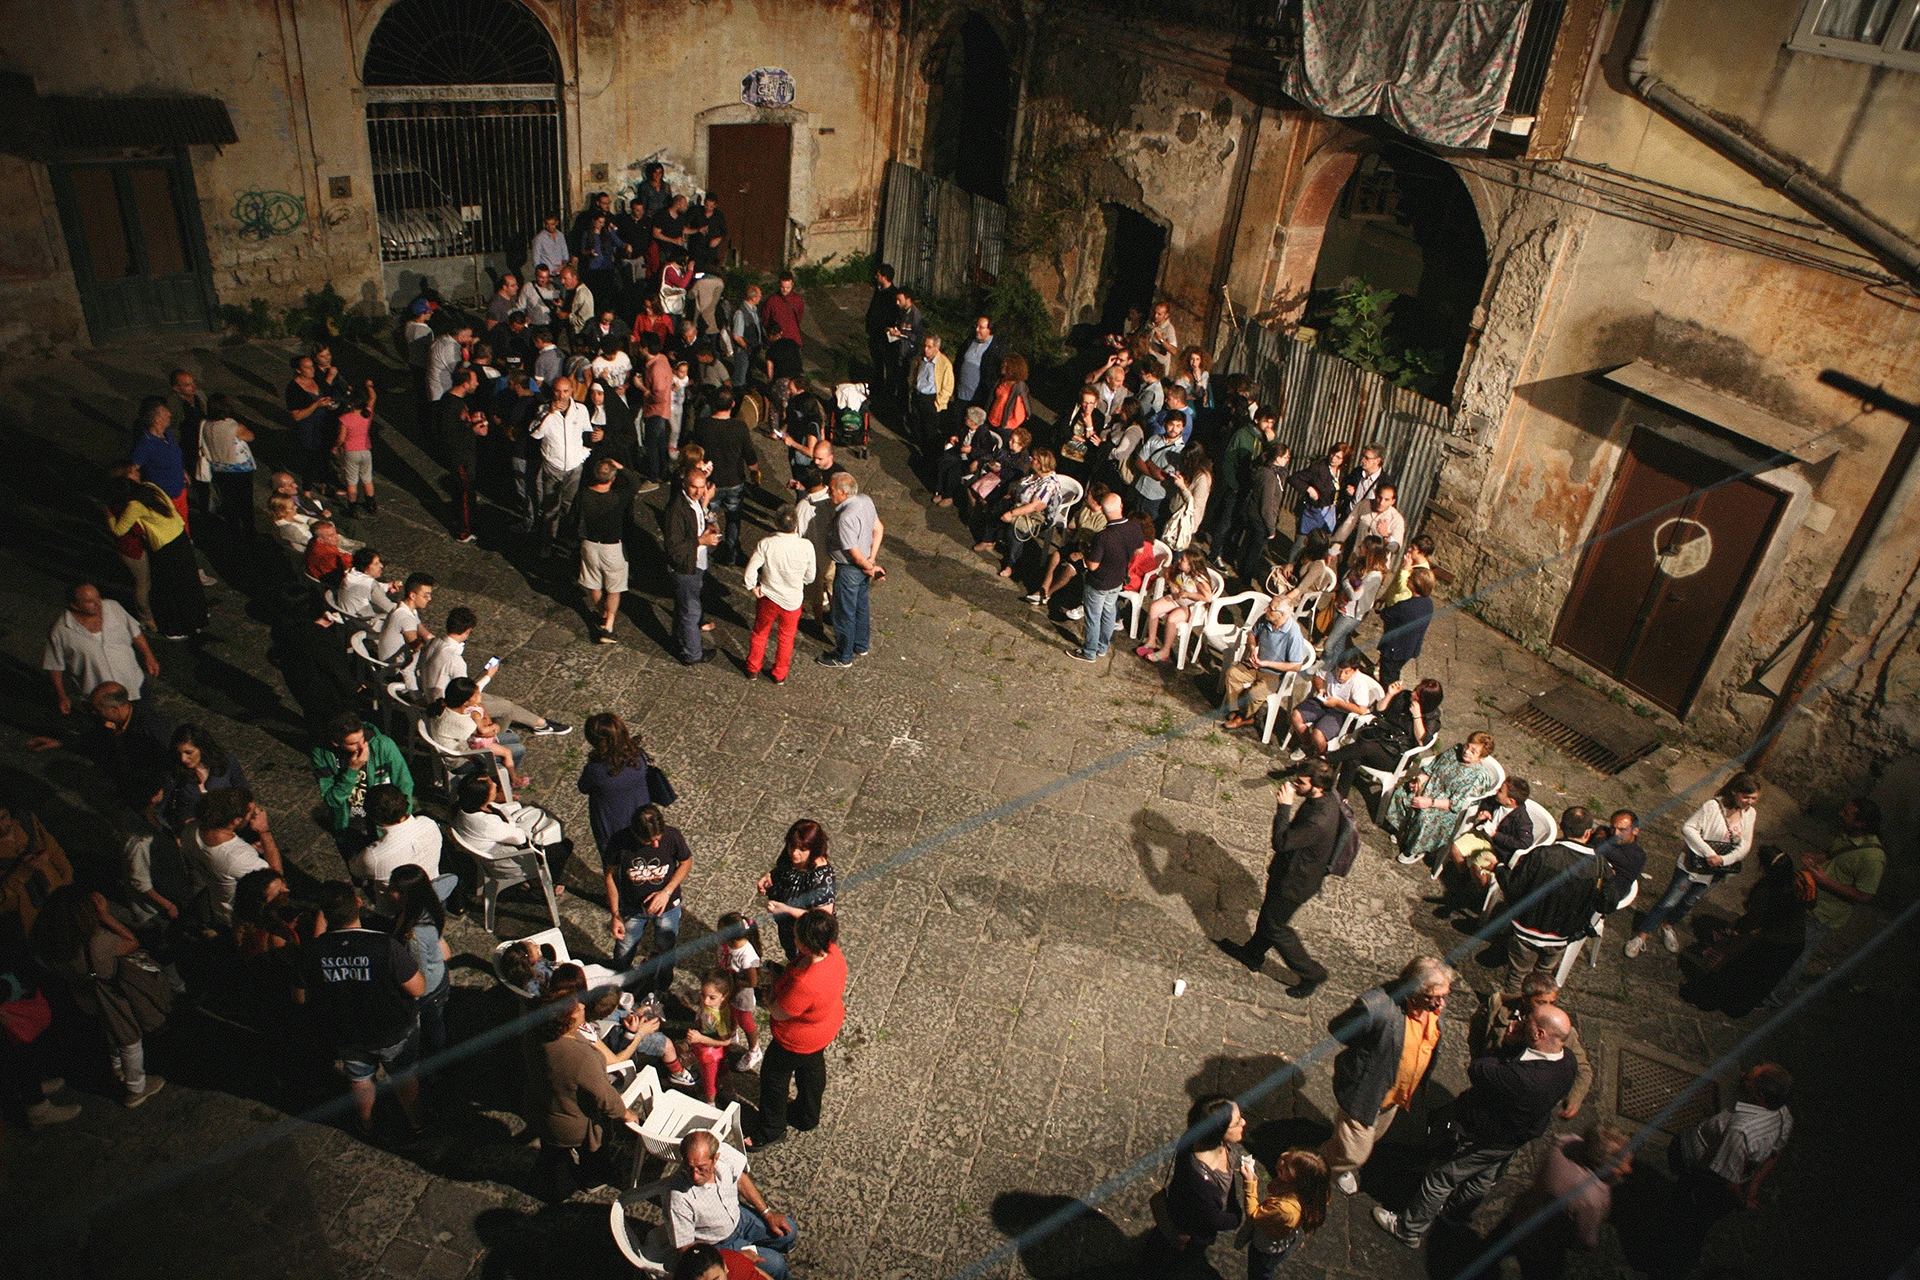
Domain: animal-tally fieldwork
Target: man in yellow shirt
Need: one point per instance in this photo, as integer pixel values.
(1390, 1034)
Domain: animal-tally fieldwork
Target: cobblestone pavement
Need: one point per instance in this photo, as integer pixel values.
(1013, 1039)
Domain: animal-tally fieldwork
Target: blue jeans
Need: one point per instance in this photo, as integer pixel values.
(737, 364)
(1337, 636)
(1675, 903)
(1312, 518)
(666, 936)
(653, 444)
(852, 619)
(753, 1229)
(686, 612)
(1151, 507)
(1103, 614)
(730, 500)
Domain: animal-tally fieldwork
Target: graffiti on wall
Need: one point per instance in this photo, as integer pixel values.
(262, 214)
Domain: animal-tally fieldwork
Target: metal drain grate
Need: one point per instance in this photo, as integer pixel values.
(1647, 1085)
(1596, 755)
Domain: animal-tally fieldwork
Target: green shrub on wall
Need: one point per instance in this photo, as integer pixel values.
(322, 315)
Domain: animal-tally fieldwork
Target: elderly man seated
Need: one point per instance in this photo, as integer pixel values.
(711, 1200)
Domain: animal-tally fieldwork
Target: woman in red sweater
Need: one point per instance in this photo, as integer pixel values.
(808, 1006)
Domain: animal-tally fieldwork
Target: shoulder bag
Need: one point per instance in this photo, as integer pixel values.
(659, 786)
(135, 998)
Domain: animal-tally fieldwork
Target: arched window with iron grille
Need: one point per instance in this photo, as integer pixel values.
(464, 130)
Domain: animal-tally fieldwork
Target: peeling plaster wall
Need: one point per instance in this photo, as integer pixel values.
(641, 82)
(1156, 136)
(1574, 294)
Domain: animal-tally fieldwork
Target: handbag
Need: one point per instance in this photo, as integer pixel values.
(135, 999)
(1030, 524)
(659, 786)
(23, 1020)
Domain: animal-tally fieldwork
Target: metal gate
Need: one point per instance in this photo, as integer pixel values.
(1326, 400)
(940, 238)
(463, 169)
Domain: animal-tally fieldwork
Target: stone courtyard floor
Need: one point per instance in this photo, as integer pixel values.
(1013, 1039)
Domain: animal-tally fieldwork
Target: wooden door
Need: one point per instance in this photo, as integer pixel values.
(1672, 556)
(138, 257)
(749, 166)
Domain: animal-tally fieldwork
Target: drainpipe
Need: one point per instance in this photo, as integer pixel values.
(1898, 254)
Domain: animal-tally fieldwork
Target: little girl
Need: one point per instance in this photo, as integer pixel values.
(713, 1031)
(528, 967)
(740, 958)
(677, 422)
(1294, 1207)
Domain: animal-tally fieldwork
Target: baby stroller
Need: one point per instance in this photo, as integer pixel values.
(851, 419)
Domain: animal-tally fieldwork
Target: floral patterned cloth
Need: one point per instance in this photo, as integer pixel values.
(1422, 831)
(1437, 72)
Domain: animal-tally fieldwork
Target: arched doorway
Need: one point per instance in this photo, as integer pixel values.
(1129, 268)
(972, 115)
(1405, 221)
(464, 134)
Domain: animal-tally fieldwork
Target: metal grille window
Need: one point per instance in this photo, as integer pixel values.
(455, 175)
(463, 124)
(1886, 32)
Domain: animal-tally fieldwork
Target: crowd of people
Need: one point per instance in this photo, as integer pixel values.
(616, 367)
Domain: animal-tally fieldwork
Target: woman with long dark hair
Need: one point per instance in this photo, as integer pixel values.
(1205, 1195)
(179, 601)
(1403, 719)
(615, 779)
(802, 880)
(78, 939)
(200, 765)
(421, 922)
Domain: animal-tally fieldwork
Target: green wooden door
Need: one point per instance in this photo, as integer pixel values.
(139, 257)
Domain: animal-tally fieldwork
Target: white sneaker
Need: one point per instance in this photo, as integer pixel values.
(753, 1059)
(46, 1112)
(1348, 1183)
(682, 1077)
(1076, 614)
(1670, 939)
(1408, 859)
(1635, 945)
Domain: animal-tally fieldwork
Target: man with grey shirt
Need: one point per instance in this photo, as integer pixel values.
(713, 1200)
(858, 533)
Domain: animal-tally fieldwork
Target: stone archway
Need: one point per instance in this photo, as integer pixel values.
(1304, 229)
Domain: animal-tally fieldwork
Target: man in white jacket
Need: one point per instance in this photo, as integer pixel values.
(778, 573)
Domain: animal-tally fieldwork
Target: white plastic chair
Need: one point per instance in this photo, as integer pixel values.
(1221, 634)
(1388, 780)
(1181, 632)
(1151, 586)
(667, 1116)
(450, 767)
(1303, 612)
(546, 937)
(1599, 928)
(1284, 699)
(1545, 832)
(502, 866)
(1071, 491)
(396, 698)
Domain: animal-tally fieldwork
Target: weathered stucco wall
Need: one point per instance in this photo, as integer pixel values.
(1849, 122)
(1577, 295)
(641, 81)
(653, 75)
(39, 305)
(1111, 120)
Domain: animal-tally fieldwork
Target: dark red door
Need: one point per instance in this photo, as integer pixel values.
(749, 165)
(1673, 554)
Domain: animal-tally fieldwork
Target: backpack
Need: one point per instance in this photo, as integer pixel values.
(1346, 842)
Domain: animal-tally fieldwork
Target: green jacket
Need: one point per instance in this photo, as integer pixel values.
(1237, 463)
(344, 790)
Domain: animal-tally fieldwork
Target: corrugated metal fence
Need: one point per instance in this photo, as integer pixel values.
(941, 239)
(1326, 399)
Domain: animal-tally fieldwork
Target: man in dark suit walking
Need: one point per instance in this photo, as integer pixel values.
(688, 534)
(1304, 843)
